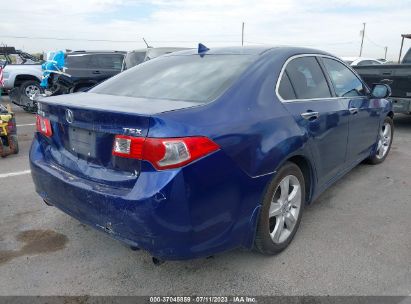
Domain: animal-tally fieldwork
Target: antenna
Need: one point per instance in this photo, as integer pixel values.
(148, 46)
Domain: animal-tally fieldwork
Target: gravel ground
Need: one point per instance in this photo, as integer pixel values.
(354, 240)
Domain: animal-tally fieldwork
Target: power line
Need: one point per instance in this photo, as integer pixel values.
(106, 40)
(65, 39)
(374, 43)
(308, 44)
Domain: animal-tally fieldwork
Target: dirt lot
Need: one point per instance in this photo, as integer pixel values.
(354, 240)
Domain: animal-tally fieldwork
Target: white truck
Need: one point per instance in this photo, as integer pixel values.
(22, 71)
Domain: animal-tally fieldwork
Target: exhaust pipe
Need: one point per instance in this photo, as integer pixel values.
(157, 261)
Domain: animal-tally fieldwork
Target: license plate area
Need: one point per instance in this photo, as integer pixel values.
(82, 142)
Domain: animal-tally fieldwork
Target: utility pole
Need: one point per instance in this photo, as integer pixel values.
(242, 35)
(386, 49)
(362, 39)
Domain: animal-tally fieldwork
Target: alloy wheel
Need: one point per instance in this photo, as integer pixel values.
(32, 90)
(284, 209)
(384, 141)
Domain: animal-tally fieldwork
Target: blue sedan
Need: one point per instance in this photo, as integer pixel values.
(203, 151)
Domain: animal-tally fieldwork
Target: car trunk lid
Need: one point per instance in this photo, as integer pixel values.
(84, 128)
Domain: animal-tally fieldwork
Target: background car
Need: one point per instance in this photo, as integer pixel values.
(397, 76)
(22, 72)
(204, 151)
(88, 68)
(136, 57)
(354, 61)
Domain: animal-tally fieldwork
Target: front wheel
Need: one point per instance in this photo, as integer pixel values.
(30, 88)
(281, 211)
(384, 142)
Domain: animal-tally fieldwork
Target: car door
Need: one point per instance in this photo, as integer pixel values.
(364, 112)
(305, 92)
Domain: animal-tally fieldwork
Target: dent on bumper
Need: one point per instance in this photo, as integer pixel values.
(175, 214)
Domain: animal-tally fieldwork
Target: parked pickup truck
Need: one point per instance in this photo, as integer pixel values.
(397, 76)
(22, 71)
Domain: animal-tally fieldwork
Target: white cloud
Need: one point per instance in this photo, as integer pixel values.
(328, 25)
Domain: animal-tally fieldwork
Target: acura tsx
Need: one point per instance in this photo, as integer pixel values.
(202, 151)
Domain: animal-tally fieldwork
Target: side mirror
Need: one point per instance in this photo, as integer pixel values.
(381, 90)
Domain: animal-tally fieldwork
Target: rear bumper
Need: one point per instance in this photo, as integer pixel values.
(192, 212)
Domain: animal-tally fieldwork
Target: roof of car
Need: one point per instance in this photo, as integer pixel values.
(250, 50)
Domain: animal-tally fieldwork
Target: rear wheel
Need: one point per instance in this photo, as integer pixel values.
(14, 144)
(281, 211)
(384, 142)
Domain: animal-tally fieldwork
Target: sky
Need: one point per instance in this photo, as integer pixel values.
(333, 26)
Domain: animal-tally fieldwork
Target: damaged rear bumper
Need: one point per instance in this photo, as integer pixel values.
(172, 214)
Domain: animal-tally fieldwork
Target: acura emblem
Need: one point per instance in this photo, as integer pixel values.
(69, 116)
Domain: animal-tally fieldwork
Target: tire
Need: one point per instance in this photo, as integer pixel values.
(267, 241)
(30, 86)
(2, 148)
(385, 137)
(14, 144)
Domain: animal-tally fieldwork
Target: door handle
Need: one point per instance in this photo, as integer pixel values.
(310, 115)
(96, 72)
(353, 110)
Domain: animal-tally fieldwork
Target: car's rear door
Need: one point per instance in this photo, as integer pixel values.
(364, 112)
(306, 93)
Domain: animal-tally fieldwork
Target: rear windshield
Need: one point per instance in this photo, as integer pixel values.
(185, 78)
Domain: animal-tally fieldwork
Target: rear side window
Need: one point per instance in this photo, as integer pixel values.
(107, 61)
(78, 61)
(286, 90)
(187, 78)
(345, 83)
(95, 61)
(307, 78)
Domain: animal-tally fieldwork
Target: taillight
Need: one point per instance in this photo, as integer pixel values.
(164, 153)
(43, 126)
